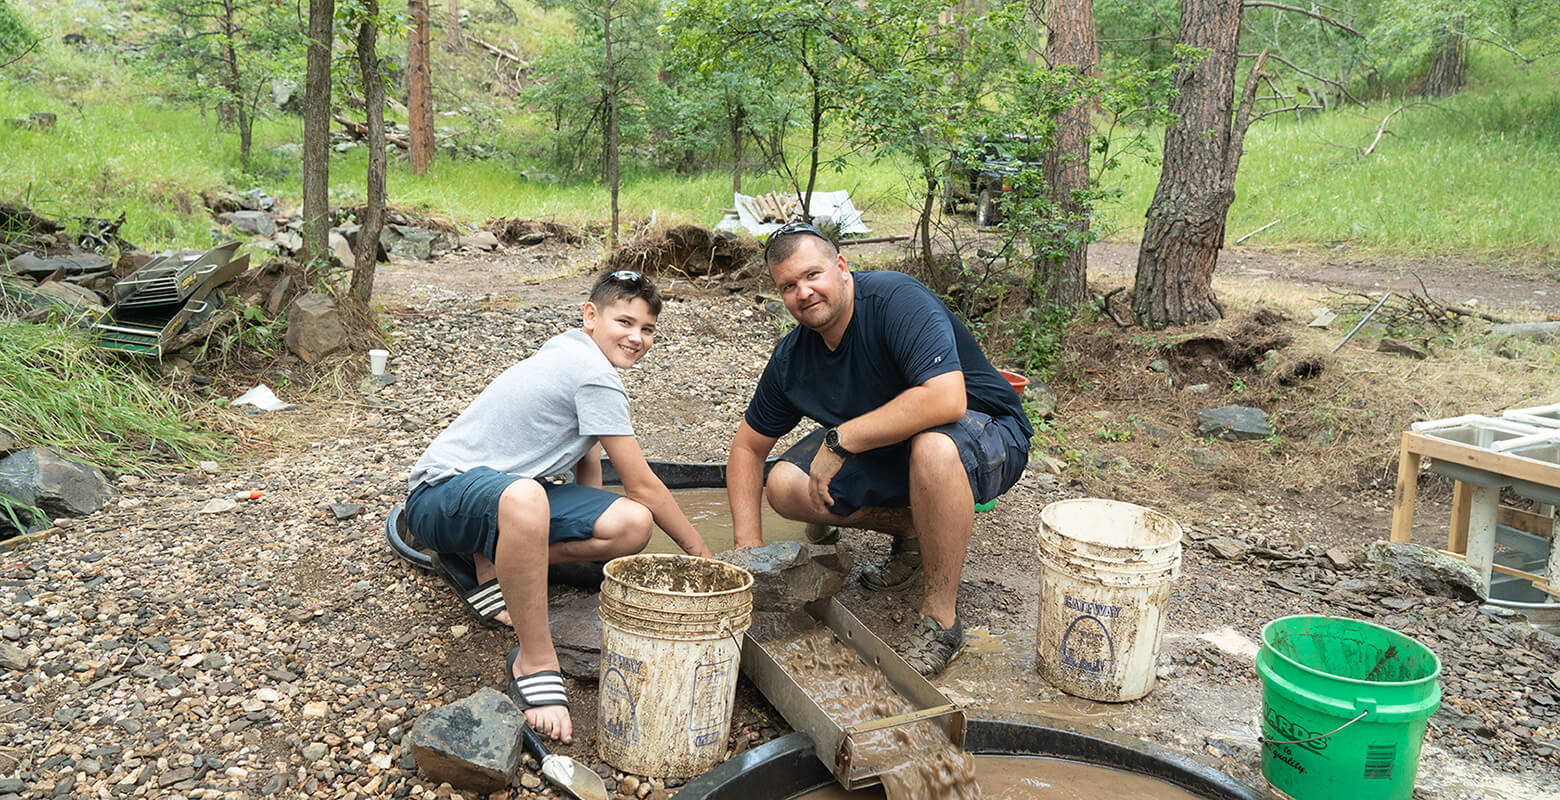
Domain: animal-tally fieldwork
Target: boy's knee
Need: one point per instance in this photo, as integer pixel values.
(525, 503)
(628, 523)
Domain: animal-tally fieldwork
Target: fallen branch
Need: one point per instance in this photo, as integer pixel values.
(1105, 306)
(1324, 79)
(1259, 230)
(1306, 11)
(1381, 130)
(496, 50)
(359, 132)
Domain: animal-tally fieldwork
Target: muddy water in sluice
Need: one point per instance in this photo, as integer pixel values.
(707, 509)
(914, 761)
(1030, 778)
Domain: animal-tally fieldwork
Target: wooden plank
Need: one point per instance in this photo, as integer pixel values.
(1481, 530)
(1537, 580)
(1407, 492)
(1498, 463)
(1525, 521)
(1457, 539)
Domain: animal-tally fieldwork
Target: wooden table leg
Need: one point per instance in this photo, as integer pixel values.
(1552, 570)
(1457, 540)
(1407, 492)
(1481, 530)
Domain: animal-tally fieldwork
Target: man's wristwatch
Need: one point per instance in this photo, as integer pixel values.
(831, 440)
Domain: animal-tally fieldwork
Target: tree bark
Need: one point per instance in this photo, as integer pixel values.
(366, 254)
(1447, 67)
(456, 40)
(613, 93)
(419, 83)
(737, 117)
(234, 82)
(1070, 44)
(1185, 227)
(316, 132)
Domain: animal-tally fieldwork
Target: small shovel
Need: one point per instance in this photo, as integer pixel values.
(563, 772)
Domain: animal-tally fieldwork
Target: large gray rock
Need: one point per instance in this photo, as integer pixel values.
(256, 200)
(473, 744)
(408, 242)
(314, 328)
(13, 658)
(71, 294)
(1042, 396)
(1402, 347)
(257, 223)
(72, 264)
(1427, 569)
(788, 575)
(1236, 423)
(342, 249)
(7, 441)
(62, 488)
(481, 240)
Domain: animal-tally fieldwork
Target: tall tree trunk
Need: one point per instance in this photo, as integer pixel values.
(613, 93)
(366, 254)
(817, 131)
(316, 132)
(1185, 227)
(924, 223)
(456, 40)
(233, 81)
(419, 83)
(736, 118)
(1447, 67)
(1070, 44)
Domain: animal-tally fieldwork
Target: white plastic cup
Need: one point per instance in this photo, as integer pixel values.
(376, 361)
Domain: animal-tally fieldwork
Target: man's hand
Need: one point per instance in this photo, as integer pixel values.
(825, 464)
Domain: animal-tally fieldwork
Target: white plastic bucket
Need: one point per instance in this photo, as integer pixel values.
(671, 632)
(1106, 572)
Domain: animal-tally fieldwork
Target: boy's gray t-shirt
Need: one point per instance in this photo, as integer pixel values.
(537, 418)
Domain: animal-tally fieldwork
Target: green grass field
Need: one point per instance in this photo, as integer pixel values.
(1476, 175)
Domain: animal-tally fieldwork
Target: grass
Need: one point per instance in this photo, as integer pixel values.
(60, 392)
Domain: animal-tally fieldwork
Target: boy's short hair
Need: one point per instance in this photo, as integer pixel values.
(625, 284)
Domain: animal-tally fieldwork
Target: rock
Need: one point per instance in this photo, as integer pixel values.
(341, 249)
(281, 292)
(257, 223)
(1052, 465)
(60, 487)
(1402, 348)
(1269, 362)
(314, 327)
(1340, 558)
(71, 264)
(8, 442)
(314, 752)
(289, 241)
(481, 240)
(1236, 423)
(576, 631)
(71, 294)
(1198, 388)
(1321, 318)
(408, 242)
(1429, 570)
(1207, 459)
(1159, 432)
(1042, 396)
(218, 505)
(1228, 549)
(290, 150)
(13, 657)
(472, 744)
(346, 510)
(787, 575)
(534, 238)
(256, 200)
(1159, 365)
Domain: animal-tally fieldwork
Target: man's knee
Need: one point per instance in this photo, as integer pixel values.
(626, 523)
(933, 448)
(786, 489)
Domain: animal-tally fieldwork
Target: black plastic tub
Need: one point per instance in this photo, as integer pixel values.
(788, 766)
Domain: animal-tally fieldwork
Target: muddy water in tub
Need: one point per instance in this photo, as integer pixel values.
(707, 509)
(916, 762)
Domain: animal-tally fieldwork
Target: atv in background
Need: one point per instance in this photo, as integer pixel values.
(984, 171)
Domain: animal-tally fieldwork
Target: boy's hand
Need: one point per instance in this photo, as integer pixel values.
(701, 551)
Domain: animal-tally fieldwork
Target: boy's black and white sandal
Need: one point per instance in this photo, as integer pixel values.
(485, 600)
(538, 689)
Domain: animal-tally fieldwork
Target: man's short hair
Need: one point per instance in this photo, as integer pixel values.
(625, 284)
(783, 242)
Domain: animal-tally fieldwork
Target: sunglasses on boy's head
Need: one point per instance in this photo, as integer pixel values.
(628, 276)
(792, 228)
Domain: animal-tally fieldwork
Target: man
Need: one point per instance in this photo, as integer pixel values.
(495, 483)
(917, 427)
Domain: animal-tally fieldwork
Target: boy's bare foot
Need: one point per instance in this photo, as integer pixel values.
(486, 572)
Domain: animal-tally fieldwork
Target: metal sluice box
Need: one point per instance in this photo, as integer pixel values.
(164, 297)
(836, 746)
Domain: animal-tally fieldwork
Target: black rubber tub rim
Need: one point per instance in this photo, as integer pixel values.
(788, 766)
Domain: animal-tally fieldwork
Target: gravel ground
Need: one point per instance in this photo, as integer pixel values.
(152, 650)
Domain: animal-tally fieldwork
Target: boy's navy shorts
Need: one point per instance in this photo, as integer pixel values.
(460, 514)
(994, 452)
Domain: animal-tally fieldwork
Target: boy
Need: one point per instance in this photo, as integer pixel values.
(495, 483)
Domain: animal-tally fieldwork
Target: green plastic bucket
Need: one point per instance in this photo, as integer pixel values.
(1344, 707)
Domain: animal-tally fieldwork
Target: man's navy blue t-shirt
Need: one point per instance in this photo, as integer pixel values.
(900, 335)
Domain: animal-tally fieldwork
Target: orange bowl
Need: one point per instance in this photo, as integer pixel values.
(1018, 382)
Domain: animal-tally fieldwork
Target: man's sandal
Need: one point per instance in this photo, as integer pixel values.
(821, 534)
(930, 648)
(898, 570)
(536, 690)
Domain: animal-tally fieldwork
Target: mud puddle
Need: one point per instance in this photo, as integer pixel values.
(710, 514)
(1034, 778)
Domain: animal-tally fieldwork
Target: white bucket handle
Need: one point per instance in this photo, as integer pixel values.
(1266, 740)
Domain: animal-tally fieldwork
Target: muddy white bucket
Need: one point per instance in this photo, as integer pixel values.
(671, 632)
(1106, 572)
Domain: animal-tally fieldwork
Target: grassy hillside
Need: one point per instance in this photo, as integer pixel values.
(1477, 174)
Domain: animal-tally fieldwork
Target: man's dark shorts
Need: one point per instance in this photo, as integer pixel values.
(994, 452)
(460, 514)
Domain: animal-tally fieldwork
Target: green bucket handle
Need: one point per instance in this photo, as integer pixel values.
(1266, 741)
